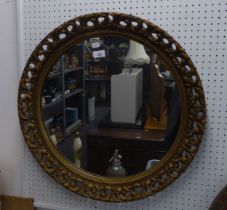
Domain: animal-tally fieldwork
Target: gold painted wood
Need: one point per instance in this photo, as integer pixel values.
(190, 88)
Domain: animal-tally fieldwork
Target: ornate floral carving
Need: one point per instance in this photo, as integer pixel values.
(100, 188)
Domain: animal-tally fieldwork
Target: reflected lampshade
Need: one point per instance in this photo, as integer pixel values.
(136, 54)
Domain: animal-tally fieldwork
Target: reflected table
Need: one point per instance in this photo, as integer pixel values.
(137, 147)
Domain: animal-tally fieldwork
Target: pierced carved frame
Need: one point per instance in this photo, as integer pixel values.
(188, 82)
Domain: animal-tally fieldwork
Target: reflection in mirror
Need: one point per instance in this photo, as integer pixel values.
(111, 106)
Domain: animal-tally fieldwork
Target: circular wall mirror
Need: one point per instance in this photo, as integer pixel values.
(111, 107)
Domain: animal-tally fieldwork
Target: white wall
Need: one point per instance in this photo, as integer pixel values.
(208, 172)
(200, 27)
(10, 135)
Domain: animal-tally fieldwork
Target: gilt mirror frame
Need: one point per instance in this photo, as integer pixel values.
(192, 121)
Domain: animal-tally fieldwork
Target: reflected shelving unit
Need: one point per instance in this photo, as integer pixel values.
(63, 98)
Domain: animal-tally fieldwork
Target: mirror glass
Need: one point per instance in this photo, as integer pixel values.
(111, 106)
